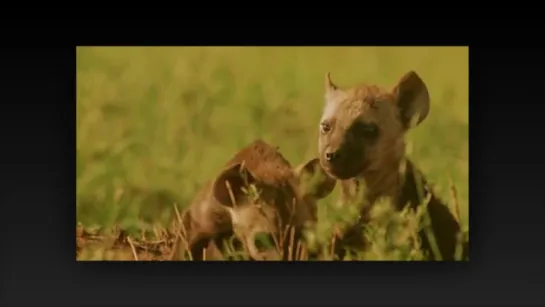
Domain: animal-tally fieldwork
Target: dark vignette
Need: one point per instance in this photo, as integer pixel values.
(38, 265)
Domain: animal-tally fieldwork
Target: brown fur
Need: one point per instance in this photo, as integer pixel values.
(283, 200)
(361, 139)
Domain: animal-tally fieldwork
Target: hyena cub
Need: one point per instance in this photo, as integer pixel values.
(362, 140)
(283, 200)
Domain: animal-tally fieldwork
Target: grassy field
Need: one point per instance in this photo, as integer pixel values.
(154, 123)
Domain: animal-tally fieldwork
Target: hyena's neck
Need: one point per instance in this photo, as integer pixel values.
(396, 182)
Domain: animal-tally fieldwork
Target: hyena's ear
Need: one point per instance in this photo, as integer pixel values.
(233, 179)
(313, 180)
(329, 87)
(413, 99)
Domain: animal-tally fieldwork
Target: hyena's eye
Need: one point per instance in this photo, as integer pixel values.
(325, 128)
(365, 130)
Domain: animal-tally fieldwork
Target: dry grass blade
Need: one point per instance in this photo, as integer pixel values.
(178, 215)
(429, 231)
(304, 253)
(332, 247)
(299, 251)
(455, 205)
(231, 194)
(143, 233)
(132, 248)
(181, 235)
(277, 243)
(458, 254)
(291, 244)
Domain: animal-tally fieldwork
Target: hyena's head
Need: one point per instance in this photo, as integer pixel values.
(362, 128)
(260, 219)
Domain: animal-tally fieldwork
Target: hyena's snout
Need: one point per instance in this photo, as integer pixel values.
(335, 154)
(332, 155)
(343, 161)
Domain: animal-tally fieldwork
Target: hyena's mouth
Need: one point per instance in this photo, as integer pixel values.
(343, 169)
(260, 250)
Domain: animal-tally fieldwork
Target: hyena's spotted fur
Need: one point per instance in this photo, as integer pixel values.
(361, 139)
(283, 201)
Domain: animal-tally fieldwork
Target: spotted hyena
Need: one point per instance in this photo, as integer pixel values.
(284, 199)
(361, 139)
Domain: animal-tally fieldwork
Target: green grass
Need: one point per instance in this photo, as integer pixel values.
(154, 123)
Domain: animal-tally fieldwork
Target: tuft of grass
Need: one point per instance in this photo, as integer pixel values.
(153, 123)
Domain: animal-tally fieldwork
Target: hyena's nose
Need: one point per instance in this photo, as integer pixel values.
(331, 155)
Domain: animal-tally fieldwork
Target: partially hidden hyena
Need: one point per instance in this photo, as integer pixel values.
(361, 140)
(285, 199)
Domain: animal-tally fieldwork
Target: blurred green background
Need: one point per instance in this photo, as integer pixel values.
(153, 123)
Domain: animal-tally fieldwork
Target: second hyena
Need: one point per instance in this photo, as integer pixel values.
(361, 139)
(283, 197)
